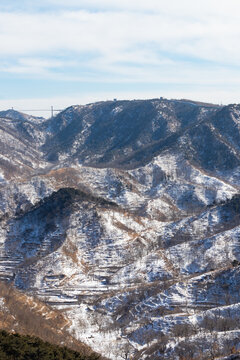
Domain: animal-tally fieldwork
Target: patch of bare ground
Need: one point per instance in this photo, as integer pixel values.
(70, 250)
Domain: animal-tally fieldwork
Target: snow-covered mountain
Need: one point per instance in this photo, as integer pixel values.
(125, 215)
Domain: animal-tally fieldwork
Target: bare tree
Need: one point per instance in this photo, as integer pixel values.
(125, 351)
(183, 330)
(208, 323)
(214, 350)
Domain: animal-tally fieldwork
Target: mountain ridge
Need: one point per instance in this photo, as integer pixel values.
(126, 219)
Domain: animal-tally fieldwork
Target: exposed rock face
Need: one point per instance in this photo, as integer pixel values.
(126, 216)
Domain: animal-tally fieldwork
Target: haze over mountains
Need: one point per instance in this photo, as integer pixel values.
(125, 215)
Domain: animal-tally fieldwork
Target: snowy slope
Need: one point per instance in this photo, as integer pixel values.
(126, 217)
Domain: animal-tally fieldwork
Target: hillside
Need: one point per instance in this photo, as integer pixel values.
(124, 216)
(24, 314)
(15, 346)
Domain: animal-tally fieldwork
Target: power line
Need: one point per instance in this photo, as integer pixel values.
(51, 110)
(38, 109)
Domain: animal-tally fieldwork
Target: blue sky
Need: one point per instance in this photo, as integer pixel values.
(56, 52)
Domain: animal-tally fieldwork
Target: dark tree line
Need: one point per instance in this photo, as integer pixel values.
(24, 347)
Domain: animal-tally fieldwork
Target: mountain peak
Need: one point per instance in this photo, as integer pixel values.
(17, 115)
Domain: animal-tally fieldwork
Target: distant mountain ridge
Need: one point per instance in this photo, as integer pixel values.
(128, 134)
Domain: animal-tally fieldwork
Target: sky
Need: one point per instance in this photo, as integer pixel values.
(60, 53)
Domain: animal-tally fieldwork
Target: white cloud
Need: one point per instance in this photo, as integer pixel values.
(154, 41)
(109, 33)
(174, 7)
(31, 66)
